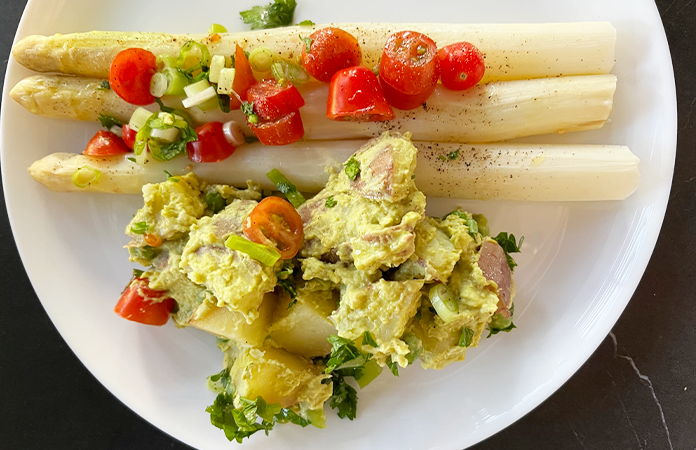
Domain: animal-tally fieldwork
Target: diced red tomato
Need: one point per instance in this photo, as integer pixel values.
(105, 143)
(283, 131)
(461, 66)
(272, 100)
(128, 136)
(355, 94)
(152, 240)
(211, 146)
(331, 49)
(141, 304)
(276, 223)
(243, 77)
(130, 75)
(409, 66)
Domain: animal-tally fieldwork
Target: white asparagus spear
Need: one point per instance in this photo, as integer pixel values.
(484, 113)
(513, 51)
(489, 172)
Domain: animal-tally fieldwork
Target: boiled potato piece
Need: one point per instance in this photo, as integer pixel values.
(305, 327)
(224, 322)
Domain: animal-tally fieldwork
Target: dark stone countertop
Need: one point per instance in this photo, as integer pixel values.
(637, 390)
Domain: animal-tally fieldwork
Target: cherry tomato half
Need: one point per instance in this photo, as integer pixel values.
(130, 75)
(141, 304)
(402, 101)
(243, 77)
(331, 49)
(105, 143)
(272, 100)
(283, 131)
(461, 66)
(128, 136)
(276, 223)
(355, 94)
(409, 62)
(211, 146)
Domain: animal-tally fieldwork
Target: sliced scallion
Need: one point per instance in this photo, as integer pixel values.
(194, 56)
(159, 84)
(176, 81)
(261, 59)
(369, 373)
(443, 300)
(262, 253)
(139, 119)
(286, 187)
(85, 176)
(226, 81)
(217, 63)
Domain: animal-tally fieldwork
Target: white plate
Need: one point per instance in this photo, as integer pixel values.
(580, 265)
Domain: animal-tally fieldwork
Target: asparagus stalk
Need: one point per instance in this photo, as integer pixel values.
(513, 51)
(484, 113)
(488, 172)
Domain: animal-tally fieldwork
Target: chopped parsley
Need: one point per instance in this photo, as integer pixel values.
(307, 42)
(215, 201)
(330, 202)
(393, 366)
(137, 273)
(104, 86)
(510, 245)
(109, 122)
(286, 281)
(466, 338)
(248, 110)
(306, 23)
(276, 14)
(352, 169)
(344, 361)
(368, 339)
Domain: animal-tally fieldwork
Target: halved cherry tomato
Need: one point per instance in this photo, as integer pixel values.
(273, 100)
(128, 136)
(130, 75)
(211, 146)
(243, 77)
(461, 66)
(331, 49)
(402, 101)
(354, 94)
(141, 304)
(276, 223)
(105, 143)
(283, 131)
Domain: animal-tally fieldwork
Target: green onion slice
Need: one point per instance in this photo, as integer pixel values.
(286, 187)
(261, 59)
(85, 176)
(262, 253)
(193, 56)
(442, 299)
(369, 373)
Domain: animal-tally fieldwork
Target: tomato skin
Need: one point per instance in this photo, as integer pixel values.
(402, 101)
(211, 145)
(243, 77)
(128, 136)
(130, 75)
(105, 143)
(409, 62)
(273, 101)
(283, 131)
(331, 50)
(141, 304)
(276, 223)
(461, 66)
(355, 94)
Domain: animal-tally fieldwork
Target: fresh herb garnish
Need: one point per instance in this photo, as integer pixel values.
(499, 322)
(147, 253)
(139, 228)
(286, 281)
(131, 159)
(286, 187)
(344, 361)
(466, 338)
(171, 177)
(352, 169)
(306, 23)
(471, 223)
(330, 202)
(137, 273)
(109, 122)
(307, 42)
(368, 339)
(393, 366)
(104, 86)
(215, 201)
(509, 245)
(274, 15)
(415, 346)
(248, 110)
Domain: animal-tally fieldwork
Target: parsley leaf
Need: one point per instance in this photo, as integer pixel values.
(352, 169)
(509, 245)
(453, 155)
(393, 366)
(307, 42)
(344, 398)
(108, 121)
(215, 201)
(330, 202)
(467, 337)
(368, 339)
(286, 281)
(248, 110)
(105, 86)
(274, 15)
(306, 23)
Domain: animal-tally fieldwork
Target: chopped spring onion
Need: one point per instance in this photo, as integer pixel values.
(158, 84)
(262, 253)
(225, 81)
(176, 81)
(369, 373)
(286, 187)
(217, 28)
(283, 70)
(442, 299)
(139, 118)
(200, 94)
(85, 176)
(194, 56)
(233, 133)
(165, 134)
(261, 59)
(217, 63)
(143, 135)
